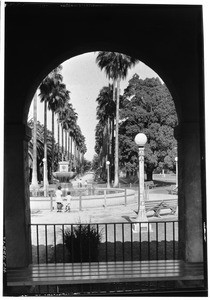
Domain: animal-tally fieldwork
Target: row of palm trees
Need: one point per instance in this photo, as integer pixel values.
(104, 132)
(55, 96)
(116, 67)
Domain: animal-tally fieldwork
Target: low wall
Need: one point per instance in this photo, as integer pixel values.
(119, 197)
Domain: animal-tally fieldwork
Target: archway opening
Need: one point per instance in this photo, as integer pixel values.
(145, 105)
(85, 81)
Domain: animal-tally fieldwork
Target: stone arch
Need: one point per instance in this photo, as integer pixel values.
(166, 38)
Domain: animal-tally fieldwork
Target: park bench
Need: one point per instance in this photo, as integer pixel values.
(104, 272)
(150, 184)
(173, 190)
(158, 205)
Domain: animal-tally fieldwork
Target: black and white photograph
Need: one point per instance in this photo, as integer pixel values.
(104, 149)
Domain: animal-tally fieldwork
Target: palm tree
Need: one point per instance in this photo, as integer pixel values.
(45, 91)
(34, 181)
(68, 118)
(83, 150)
(71, 135)
(105, 112)
(56, 102)
(45, 177)
(40, 145)
(116, 67)
(79, 146)
(53, 92)
(102, 140)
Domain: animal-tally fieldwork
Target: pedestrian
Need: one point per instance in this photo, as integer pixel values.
(80, 183)
(86, 183)
(58, 195)
(68, 202)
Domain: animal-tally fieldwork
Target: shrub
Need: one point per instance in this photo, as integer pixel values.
(82, 243)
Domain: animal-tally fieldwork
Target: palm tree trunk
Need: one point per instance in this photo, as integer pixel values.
(82, 165)
(53, 145)
(78, 160)
(34, 181)
(62, 140)
(70, 151)
(113, 95)
(45, 179)
(113, 138)
(66, 150)
(58, 139)
(112, 151)
(64, 143)
(116, 174)
(108, 138)
(68, 145)
(75, 161)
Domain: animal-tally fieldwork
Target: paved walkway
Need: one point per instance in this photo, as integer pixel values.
(101, 215)
(107, 215)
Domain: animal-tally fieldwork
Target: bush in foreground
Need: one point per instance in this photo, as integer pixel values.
(82, 243)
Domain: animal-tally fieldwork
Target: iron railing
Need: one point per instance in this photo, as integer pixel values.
(118, 242)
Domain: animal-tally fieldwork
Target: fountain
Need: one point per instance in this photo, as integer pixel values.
(64, 175)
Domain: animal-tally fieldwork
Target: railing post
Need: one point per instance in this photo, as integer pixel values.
(125, 197)
(80, 200)
(105, 205)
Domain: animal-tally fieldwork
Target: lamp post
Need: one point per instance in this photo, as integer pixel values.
(108, 179)
(140, 140)
(176, 160)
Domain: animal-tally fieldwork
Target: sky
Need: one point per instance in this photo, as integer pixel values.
(84, 80)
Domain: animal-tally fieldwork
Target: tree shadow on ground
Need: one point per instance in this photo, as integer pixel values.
(127, 219)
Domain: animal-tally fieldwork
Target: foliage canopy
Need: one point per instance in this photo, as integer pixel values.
(149, 108)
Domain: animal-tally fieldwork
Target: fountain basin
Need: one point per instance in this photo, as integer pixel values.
(64, 177)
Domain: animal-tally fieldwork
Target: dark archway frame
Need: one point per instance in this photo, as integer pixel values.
(167, 38)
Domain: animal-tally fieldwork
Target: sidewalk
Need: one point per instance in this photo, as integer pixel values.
(115, 214)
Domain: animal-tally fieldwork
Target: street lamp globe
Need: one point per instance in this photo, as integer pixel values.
(140, 139)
